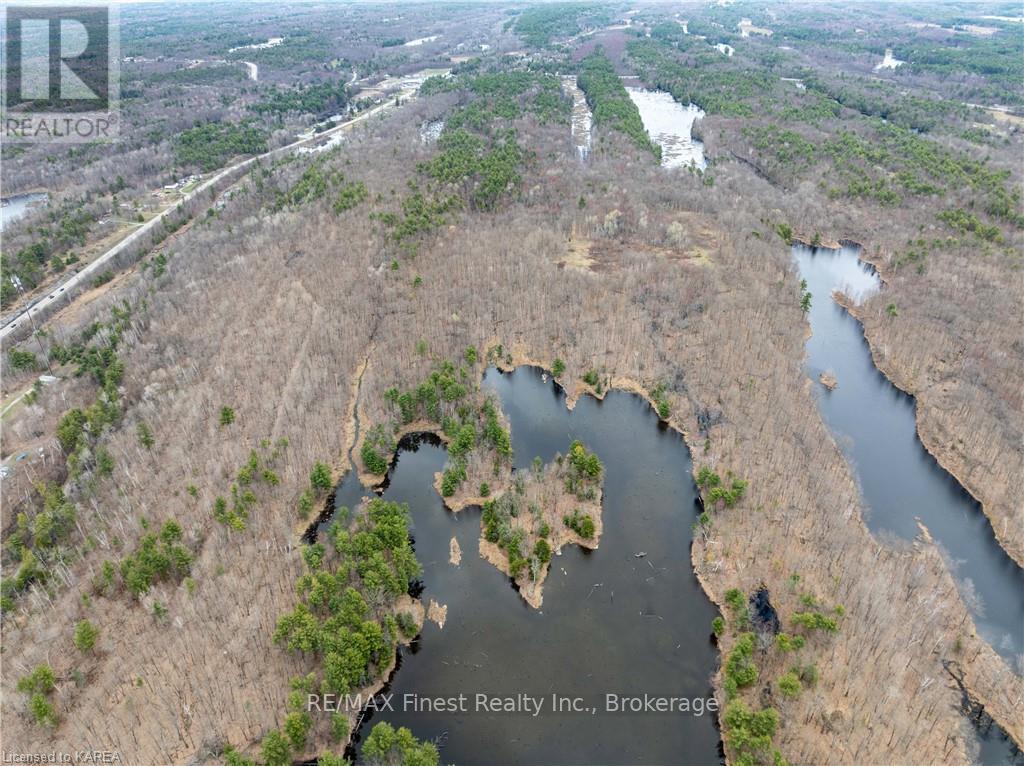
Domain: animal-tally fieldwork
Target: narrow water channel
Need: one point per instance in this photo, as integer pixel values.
(582, 119)
(875, 424)
(612, 622)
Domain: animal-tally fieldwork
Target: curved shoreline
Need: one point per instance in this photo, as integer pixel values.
(979, 671)
(1013, 548)
(496, 557)
(976, 679)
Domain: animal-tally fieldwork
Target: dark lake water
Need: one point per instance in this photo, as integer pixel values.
(611, 622)
(875, 425)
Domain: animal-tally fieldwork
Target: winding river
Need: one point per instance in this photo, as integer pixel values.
(875, 424)
(612, 622)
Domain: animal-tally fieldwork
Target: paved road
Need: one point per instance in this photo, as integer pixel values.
(50, 301)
